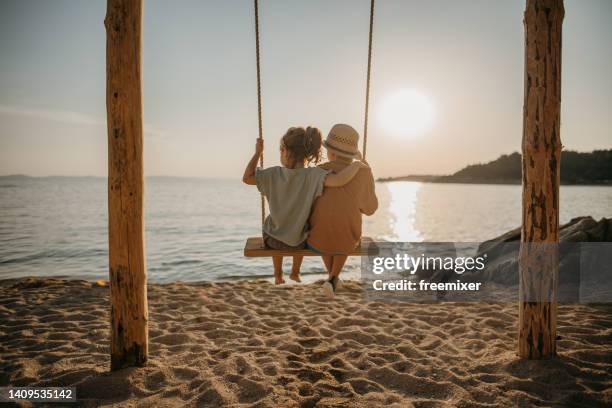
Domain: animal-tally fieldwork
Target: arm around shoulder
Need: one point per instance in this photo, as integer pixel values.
(346, 175)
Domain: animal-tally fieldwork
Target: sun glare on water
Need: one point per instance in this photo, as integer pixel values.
(407, 113)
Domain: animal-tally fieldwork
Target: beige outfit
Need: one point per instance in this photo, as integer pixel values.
(335, 221)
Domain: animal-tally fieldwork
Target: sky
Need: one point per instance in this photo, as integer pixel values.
(200, 105)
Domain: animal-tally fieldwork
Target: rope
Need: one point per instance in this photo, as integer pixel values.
(261, 158)
(367, 100)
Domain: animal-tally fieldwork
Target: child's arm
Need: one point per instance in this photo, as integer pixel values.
(346, 175)
(249, 172)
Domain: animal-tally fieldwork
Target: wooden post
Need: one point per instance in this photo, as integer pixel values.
(128, 278)
(541, 170)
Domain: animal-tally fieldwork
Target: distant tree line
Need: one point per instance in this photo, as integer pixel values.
(576, 168)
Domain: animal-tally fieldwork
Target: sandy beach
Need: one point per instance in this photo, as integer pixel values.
(249, 343)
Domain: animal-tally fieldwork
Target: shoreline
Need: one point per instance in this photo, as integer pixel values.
(307, 278)
(251, 343)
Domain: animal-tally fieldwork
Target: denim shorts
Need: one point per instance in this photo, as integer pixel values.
(274, 243)
(319, 252)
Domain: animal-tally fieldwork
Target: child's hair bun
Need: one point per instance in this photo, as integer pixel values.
(304, 144)
(313, 141)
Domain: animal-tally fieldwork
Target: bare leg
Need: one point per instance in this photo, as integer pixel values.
(278, 269)
(338, 264)
(328, 260)
(295, 269)
(334, 266)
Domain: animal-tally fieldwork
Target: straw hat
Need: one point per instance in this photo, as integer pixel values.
(343, 140)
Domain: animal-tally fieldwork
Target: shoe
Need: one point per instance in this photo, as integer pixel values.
(338, 284)
(328, 289)
(331, 286)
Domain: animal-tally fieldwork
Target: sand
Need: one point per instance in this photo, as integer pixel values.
(249, 343)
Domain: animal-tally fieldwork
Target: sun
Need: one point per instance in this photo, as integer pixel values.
(407, 112)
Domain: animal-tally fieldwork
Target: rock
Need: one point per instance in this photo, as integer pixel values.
(579, 229)
(502, 255)
(576, 230)
(495, 247)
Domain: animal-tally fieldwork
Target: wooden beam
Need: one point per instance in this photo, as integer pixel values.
(541, 148)
(127, 268)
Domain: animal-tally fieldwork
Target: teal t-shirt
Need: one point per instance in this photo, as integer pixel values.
(290, 194)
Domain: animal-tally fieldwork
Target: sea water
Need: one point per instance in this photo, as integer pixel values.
(196, 228)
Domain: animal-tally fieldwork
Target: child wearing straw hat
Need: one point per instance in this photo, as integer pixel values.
(335, 221)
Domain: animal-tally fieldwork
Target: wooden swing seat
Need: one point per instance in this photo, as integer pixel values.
(255, 248)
